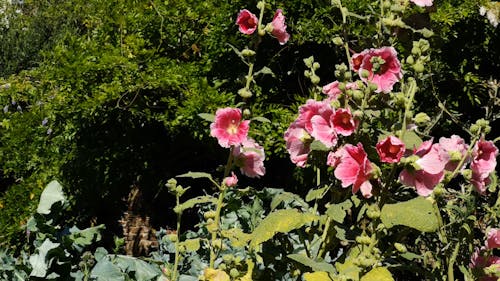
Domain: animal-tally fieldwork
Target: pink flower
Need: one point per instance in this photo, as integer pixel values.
(427, 171)
(279, 27)
(231, 180)
(315, 117)
(382, 65)
(228, 127)
(480, 261)
(483, 163)
(343, 122)
(249, 156)
(493, 238)
(297, 143)
(354, 168)
(332, 90)
(456, 148)
(390, 149)
(422, 3)
(247, 22)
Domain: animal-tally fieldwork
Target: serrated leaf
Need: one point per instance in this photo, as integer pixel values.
(237, 237)
(193, 201)
(280, 221)
(417, 213)
(261, 119)
(287, 197)
(316, 276)
(338, 211)
(316, 145)
(411, 140)
(207, 116)
(378, 274)
(51, 194)
(314, 265)
(195, 175)
(314, 194)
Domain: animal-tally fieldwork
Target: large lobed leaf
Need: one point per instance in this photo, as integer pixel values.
(417, 213)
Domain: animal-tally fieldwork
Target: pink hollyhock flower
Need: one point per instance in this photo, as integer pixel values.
(298, 144)
(249, 156)
(332, 90)
(481, 261)
(383, 66)
(357, 60)
(493, 238)
(390, 149)
(315, 117)
(228, 127)
(354, 168)
(456, 148)
(333, 158)
(483, 163)
(231, 180)
(429, 170)
(247, 22)
(279, 27)
(422, 3)
(343, 122)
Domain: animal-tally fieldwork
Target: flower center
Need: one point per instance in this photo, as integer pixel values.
(393, 149)
(377, 64)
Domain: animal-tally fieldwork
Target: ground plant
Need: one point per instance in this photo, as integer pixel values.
(380, 163)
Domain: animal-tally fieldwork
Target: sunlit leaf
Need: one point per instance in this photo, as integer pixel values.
(51, 194)
(416, 213)
(378, 274)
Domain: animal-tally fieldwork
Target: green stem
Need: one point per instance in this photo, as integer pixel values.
(451, 262)
(249, 76)
(262, 5)
(410, 96)
(177, 253)
(323, 238)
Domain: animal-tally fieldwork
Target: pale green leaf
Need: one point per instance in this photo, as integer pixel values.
(318, 146)
(280, 221)
(261, 119)
(378, 274)
(314, 265)
(417, 213)
(237, 237)
(411, 140)
(191, 245)
(105, 270)
(39, 263)
(314, 194)
(195, 175)
(207, 116)
(338, 211)
(316, 276)
(265, 70)
(194, 201)
(51, 194)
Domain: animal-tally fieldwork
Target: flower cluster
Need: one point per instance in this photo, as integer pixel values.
(231, 131)
(248, 22)
(482, 259)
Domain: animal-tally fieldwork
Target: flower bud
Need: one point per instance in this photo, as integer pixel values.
(234, 272)
(261, 5)
(347, 75)
(209, 215)
(427, 33)
(262, 31)
(245, 93)
(247, 113)
(307, 73)
(415, 50)
(248, 53)
(418, 67)
(315, 79)
(337, 41)
(309, 61)
(171, 184)
(315, 66)
(365, 73)
(363, 239)
(357, 95)
(421, 118)
(400, 247)
(410, 59)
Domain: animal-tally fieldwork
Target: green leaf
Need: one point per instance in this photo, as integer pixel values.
(319, 146)
(237, 237)
(207, 116)
(38, 261)
(287, 197)
(316, 276)
(338, 211)
(195, 175)
(261, 119)
(280, 221)
(86, 237)
(411, 256)
(417, 213)
(411, 140)
(107, 271)
(314, 265)
(191, 245)
(265, 70)
(193, 201)
(378, 274)
(314, 194)
(51, 194)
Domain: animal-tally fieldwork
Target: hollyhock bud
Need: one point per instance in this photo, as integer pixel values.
(422, 118)
(231, 181)
(247, 22)
(493, 238)
(390, 149)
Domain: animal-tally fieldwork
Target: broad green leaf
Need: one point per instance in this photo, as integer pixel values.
(349, 267)
(193, 201)
(51, 194)
(39, 263)
(106, 271)
(280, 221)
(144, 271)
(237, 237)
(287, 197)
(195, 175)
(316, 276)
(314, 194)
(191, 245)
(261, 119)
(207, 116)
(411, 140)
(314, 265)
(378, 274)
(416, 213)
(410, 256)
(85, 237)
(184, 277)
(338, 211)
(318, 146)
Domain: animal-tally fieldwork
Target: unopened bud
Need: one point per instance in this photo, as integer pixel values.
(247, 53)
(337, 41)
(427, 33)
(415, 50)
(410, 60)
(418, 67)
(400, 247)
(365, 73)
(315, 79)
(315, 66)
(234, 272)
(422, 118)
(247, 113)
(245, 93)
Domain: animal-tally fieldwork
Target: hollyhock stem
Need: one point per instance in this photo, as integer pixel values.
(321, 251)
(410, 96)
(451, 262)
(261, 5)
(218, 209)
(249, 76)
(177, 254)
